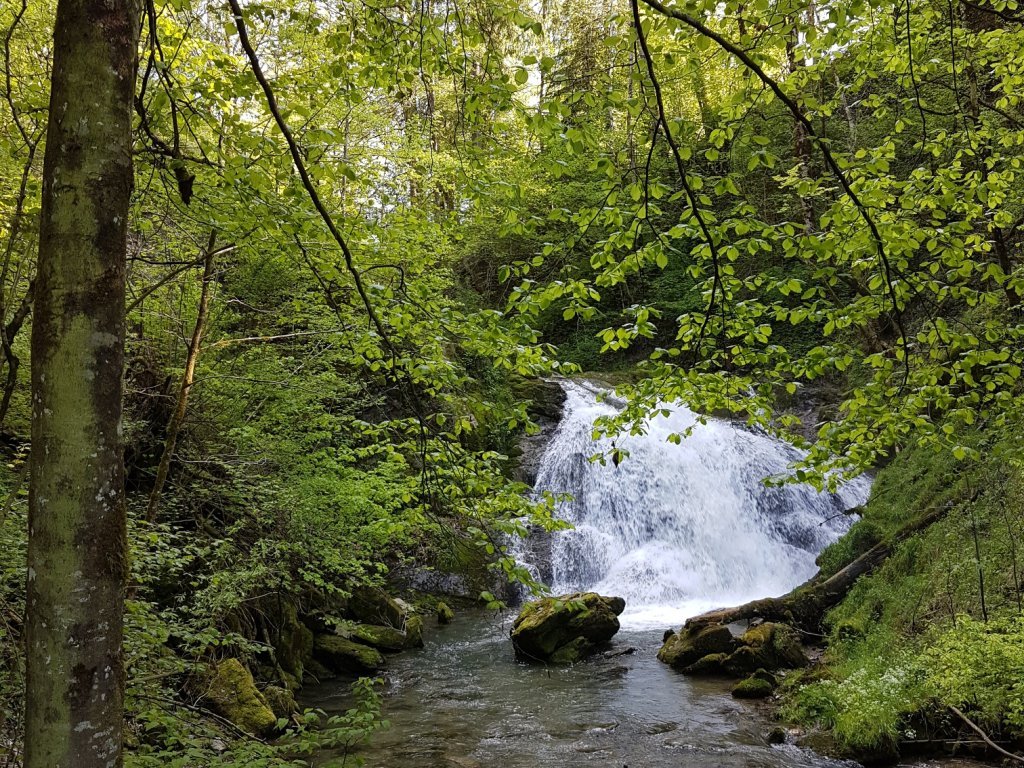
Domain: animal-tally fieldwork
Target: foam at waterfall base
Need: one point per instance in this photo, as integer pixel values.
(680, 529)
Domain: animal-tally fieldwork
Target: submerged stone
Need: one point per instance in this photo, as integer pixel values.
(578, 623)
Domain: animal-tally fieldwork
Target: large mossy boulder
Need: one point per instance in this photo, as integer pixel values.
(344, 656)
(565, 629)
(389, 639)
(232, 693)
(686, 648)
(381, 637)
(371, 605)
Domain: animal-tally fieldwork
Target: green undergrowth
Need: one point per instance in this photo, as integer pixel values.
(939, 625)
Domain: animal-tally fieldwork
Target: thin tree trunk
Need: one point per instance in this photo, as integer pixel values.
(181, 406)
(801, 140)
(77, 551)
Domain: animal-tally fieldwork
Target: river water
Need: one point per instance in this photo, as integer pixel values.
(464, 702)
(675, 529)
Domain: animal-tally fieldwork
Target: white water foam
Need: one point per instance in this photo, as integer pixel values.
(679, 529)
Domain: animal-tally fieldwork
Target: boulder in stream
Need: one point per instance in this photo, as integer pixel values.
(687, 647)
(344, 656)
(375, 606)
(445, 614)
(379, 636)
(714, 650)
(566, 629)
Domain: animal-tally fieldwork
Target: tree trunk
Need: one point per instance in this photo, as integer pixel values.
(181, 406)
(805, 607)
(77, 559)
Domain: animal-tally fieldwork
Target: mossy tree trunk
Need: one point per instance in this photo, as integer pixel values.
(805, 607)
(77, 558)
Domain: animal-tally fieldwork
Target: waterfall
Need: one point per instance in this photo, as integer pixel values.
(678, 529)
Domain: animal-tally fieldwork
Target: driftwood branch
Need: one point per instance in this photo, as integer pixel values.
(984, 736)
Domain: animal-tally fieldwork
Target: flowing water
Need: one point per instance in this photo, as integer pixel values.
(678, 529)
(674, 529)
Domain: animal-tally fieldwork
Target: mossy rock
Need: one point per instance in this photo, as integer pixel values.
(777, 645)
(378, 636)
(545, 626)
(346, 656)
(281, 701)
(318, 672)
(768, 677)
(573, 652)
(745, 660)
(691, 645)
(849, 630)
(293, 640)
(707, 666)
(414, 632)
(445, 614)
(752, 688)
(372, 605)
(291, 682)
(232, 693)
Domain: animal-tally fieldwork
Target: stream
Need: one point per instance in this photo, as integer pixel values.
(463, 701)
(675, 530)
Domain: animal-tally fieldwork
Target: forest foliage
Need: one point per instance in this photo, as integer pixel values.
(748, 205)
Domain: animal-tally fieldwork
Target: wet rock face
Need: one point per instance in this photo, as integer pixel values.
(548, 401)
(293, 641)
(566, 629)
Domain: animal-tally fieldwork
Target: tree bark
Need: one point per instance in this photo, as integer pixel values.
(77, 558)
(181, 406)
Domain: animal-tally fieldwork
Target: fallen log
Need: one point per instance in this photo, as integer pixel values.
(805, 607)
